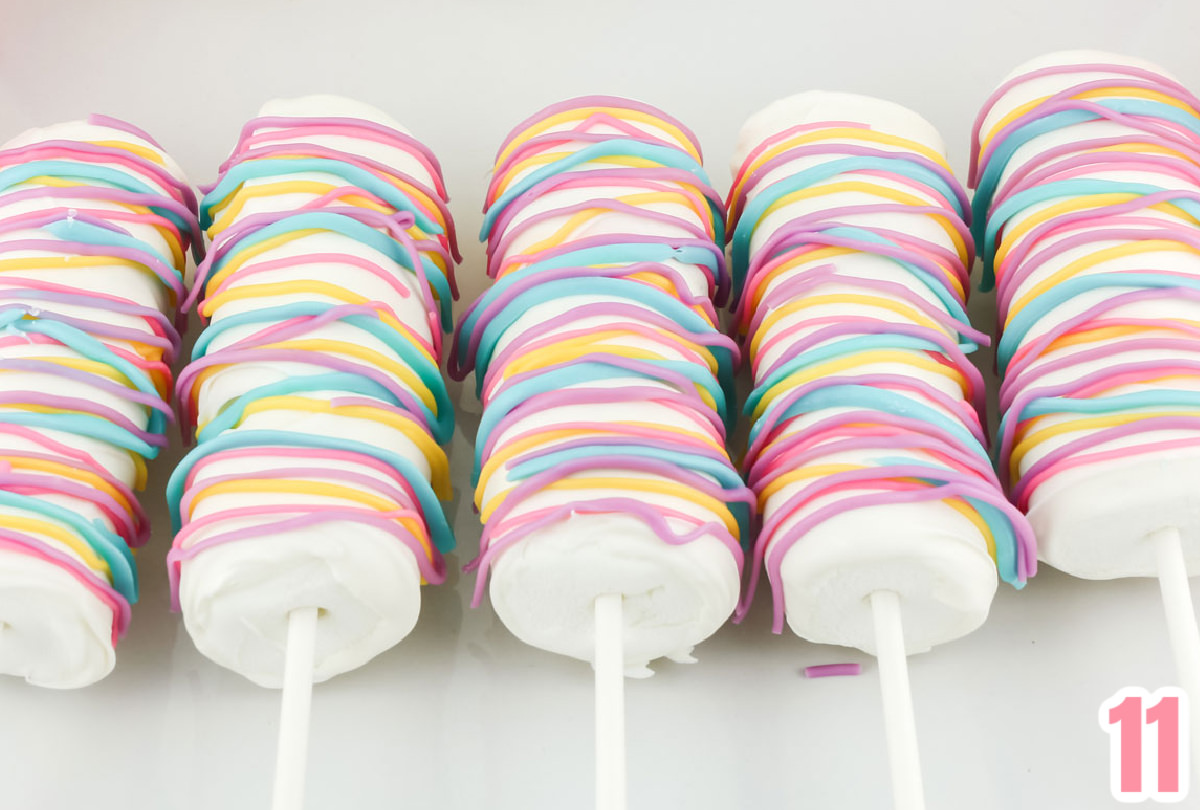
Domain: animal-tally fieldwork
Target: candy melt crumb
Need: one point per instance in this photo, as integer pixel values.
(830, 670)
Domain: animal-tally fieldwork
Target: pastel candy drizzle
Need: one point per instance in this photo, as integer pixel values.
(866, 328)
(600, 315)
(84, 358)
(319, 342)
(1080, 253)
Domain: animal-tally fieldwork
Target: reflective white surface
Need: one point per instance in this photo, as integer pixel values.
(461, 715)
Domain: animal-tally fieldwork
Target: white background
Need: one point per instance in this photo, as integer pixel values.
(461, 715)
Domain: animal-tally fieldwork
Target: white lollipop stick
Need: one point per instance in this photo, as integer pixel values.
(1181, 624)
(610, 704)
(908, 792)
(291, 761)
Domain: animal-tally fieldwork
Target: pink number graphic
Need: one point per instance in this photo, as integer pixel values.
(1166, 714)
(1148, 742)
(1127, 716)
